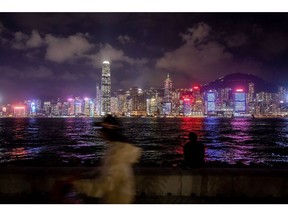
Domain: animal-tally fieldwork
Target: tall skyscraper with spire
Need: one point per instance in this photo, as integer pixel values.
(167, 100)
(106, 89)
(167, 89)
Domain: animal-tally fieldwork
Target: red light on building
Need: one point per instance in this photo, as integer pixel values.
(196, 87)
(186, 99)
(239, 90)
(19, 107)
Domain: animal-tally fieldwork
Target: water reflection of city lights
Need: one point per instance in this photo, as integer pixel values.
(240, 150)
(188, 125)
(17, 153)
(228, 140)
(191, 124)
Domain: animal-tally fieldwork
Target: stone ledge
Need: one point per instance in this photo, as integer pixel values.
(206, 182)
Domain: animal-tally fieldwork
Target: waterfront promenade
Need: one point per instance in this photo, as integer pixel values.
(155, 185)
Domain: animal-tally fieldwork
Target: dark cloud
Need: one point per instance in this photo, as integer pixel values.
(1, 27)
(274, 44)
(24, 41)
(236, 40)
(35, 40)
(63, 52)
(199, 57)
(61, 49)
(109, 53)
(124, 39)
(19, 40)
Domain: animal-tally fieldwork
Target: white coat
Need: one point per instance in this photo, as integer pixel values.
(116, 184)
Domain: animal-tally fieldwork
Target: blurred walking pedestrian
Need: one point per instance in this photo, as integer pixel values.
(116, 184)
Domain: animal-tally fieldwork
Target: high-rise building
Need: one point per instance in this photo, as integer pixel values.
(106, 89)
(71, 106)
(251, 92)
(91, 108)
(240, 101)
(167, 89)
(79, 106)
(282, 95)
(59, 107)
(121, 102)
(151, 106)
(114, 105)
(97, 102)
(197, 105)
(65, 108)
(250, 98)
(134, 97)
(138, 100)
(47, 108)
(167, 100)
(210, 102)
(224, 99)
(87, 107)
(19, 111)
(265, 101)
(187, 106)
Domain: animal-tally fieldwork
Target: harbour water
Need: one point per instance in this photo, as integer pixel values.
(231, 142)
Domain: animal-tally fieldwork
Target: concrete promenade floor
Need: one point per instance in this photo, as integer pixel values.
(24, 185)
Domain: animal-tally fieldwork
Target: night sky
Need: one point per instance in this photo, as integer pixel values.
(51, 55)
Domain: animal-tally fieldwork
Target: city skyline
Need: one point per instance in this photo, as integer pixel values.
(61, 54)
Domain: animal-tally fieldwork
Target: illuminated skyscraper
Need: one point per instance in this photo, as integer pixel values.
(98, 101)
(134, 97)
(106, 89)
(251, 92)
(71, 106)
(87, 107)
(239, 101)
(211, 102)
(197, 105)
(114, 105)
(47, 108)
(282, 95)
(167, 89)
(138, 102)
(79, 108)
(250, 98)
(19, 111)
(167, 101)
(187, 106)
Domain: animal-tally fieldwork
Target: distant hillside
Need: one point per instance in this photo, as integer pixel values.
(241, 80)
